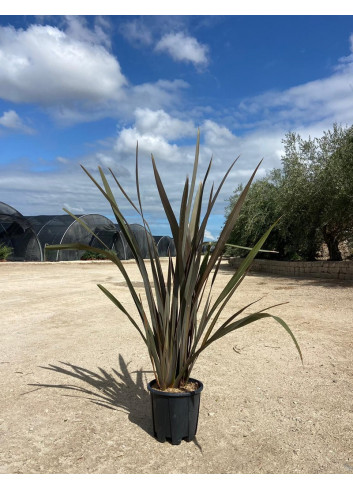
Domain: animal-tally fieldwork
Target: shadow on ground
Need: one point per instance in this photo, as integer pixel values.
(118, 391)
(330, 283)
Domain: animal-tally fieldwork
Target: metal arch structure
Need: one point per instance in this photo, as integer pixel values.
(17, 232)
(64, 229)
(28, 235)
(114, 240)
(165, 245)
(143, 238)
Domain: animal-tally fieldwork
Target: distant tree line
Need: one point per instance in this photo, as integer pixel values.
(312, 194)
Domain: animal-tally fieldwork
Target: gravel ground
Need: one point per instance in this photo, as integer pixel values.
(74, 375)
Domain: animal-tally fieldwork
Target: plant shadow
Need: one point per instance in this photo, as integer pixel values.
(118, 391)
(329, 283)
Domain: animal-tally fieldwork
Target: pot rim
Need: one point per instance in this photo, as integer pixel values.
(175, 394)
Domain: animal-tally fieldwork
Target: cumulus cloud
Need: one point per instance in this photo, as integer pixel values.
(161, 123)
(162, 93)
(316, 100)
(77, 28)
(70, 72)
(183, 48)
(47, 66)
(174, 157)
(168, 138)
(217, 135)
(316, 103)
(161, 134)
(12, 121)
(254, 132)
(136, 32)
(157, 133)
(148, 143)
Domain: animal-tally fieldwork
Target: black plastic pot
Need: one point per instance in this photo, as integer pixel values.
(175, 414)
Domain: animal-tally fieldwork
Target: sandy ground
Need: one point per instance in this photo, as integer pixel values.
(74, 375)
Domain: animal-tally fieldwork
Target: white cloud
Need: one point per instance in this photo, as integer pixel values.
(70, 73)
(136, 32)
(48, 66)
(159, 133)
(209, 236)
(309, 109)
(11, 120)
(318, 102)
(77, 28)
(62, 159)
(217, 135)
(148, 143)
(73, 209)
(174, 159)
(154, 131)
(159, 122)
(183, 48)
(162, 93)
(157, 95)
(346, 59)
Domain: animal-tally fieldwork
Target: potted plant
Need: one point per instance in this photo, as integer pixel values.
(181, 320)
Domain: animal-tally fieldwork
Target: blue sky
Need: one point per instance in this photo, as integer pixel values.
(84, 89)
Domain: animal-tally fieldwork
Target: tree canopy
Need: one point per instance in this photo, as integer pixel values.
(312, 193)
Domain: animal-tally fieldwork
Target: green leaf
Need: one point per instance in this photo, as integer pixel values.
(193, 179)
(166, 204)
(85, 226)
(247, 248)
(122, 308)
(250, 319)
(169, 324)
(229, 223)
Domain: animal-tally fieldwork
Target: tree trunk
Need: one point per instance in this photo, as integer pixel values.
(311, 244)
(332, 245)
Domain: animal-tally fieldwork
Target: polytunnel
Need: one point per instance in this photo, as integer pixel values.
(113, 239)
(165, 245)
(65, 229)
(17, 232)
(143, 238)
(116, 241)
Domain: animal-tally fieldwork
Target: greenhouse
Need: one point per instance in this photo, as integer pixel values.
(144, 240)
(28, 235)
(114, 240)
(65, 229)
(165, 245)
(17, 233)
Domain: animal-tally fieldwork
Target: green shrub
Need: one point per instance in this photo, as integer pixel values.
(5, 251)
(90, 255)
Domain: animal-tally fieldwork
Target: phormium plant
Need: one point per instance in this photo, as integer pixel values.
(182, 320)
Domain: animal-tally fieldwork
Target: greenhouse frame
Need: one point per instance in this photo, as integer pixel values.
(165, 245)
(64, 229)
(28, 236)
(17, 232)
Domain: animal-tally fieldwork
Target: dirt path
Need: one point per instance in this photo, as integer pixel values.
(261, 410)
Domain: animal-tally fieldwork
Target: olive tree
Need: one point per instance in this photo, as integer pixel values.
(312, 193)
